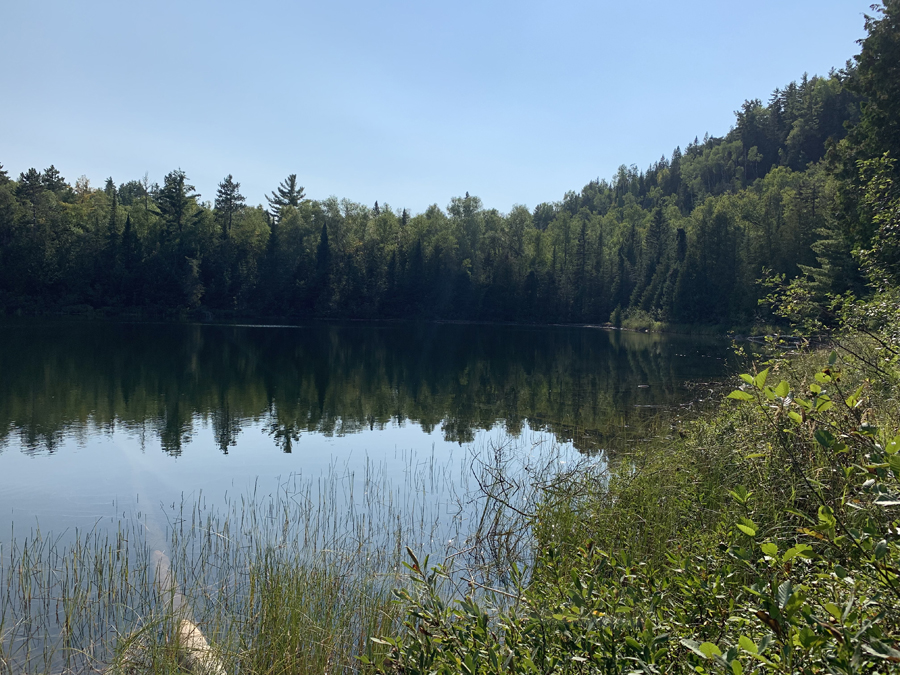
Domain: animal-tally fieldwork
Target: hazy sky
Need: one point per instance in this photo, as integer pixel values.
(409, 103)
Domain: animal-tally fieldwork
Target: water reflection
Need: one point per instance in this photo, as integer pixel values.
(61, 379)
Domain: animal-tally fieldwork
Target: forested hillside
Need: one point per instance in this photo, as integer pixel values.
(683, 241)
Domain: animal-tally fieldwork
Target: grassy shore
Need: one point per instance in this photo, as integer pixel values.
(764, 537)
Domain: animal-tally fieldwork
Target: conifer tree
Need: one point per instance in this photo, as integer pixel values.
(174, 200)
(229, 202)
(53, 181)
(288, 193)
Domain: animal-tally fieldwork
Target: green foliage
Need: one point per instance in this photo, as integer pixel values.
(766, 540)
(681, 242)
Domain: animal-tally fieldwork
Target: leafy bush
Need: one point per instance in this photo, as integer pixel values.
(765, 540)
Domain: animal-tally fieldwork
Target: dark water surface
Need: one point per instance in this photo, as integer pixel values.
(98, 417)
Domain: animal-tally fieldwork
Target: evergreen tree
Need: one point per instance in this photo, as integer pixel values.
(288, 193)
(175, 200)
(53, 181)
(878, 81)
(4, 176)
(229, 202)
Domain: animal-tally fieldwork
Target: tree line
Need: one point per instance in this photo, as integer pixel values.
(783, 193)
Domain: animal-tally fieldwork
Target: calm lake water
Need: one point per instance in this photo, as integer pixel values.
(100, 419)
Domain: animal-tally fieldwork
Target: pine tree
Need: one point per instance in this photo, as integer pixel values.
(53, 181)
(229, 202)
(288, 193)
(4, 176)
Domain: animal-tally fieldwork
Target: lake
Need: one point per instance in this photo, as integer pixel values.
(219, 455)
(99, 418)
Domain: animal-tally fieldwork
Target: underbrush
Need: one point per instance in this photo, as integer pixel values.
(765, 539)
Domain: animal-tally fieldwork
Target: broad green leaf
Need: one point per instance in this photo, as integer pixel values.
(785, 591)
(747, 378)
(826, 517)
(894, 462)
(783, 389)
(710, 650)
(833, 609)
(747, 644)
(893, 446)
(694, 646)
(824, 437)
(796, 417)
(800, 550)
(769, 549)
(824, 404)
(740, 395)
(631, 642)
(737, 668)
(746, 529)
(832, 358)
(760, 379)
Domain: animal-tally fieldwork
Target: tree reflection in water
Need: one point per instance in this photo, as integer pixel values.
(584, 385)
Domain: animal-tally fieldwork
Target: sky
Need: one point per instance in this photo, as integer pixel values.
(407, 103)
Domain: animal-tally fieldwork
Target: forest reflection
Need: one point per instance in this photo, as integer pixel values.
(583, 385)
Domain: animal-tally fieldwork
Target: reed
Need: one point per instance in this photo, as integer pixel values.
(289, 581)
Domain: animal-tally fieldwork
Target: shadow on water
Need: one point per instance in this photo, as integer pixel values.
(585, 386)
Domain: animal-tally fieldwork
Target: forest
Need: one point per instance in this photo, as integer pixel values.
(791, 191)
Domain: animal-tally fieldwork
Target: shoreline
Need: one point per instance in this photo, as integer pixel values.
(210, 317)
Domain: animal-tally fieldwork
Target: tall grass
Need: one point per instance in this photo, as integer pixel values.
(292, 581)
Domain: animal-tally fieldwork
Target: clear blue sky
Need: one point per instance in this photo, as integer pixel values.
(409, 103)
